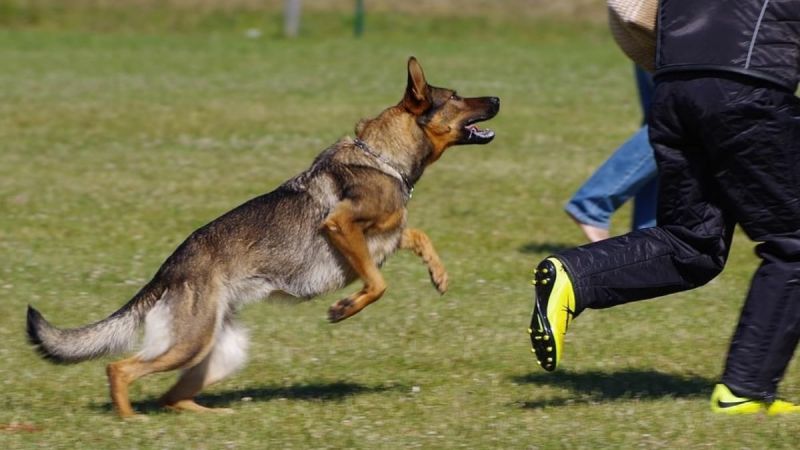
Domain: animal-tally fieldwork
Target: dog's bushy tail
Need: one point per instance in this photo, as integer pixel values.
(114, 334)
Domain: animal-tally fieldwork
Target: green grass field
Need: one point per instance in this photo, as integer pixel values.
(116, 144)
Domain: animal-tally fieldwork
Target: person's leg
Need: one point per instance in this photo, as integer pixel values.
(760, 174)
(646, 199)
(645, 202)
(630, 171)
(769, 325)
(639, 265)
(645, 87)
(631, 167)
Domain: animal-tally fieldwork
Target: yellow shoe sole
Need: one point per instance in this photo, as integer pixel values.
(553, 310)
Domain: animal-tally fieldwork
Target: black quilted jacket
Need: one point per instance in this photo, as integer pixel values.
(758, 38)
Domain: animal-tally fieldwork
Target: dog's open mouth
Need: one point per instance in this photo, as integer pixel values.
(475, 135)
(482, 109)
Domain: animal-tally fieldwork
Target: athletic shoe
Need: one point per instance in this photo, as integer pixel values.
(724, 401)
(553, 310)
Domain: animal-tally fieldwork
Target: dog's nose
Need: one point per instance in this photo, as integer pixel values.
(495, 104)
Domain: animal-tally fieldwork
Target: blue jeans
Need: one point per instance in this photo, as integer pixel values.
(629, 172)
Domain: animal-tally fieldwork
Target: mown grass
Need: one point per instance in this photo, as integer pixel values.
(114, 145)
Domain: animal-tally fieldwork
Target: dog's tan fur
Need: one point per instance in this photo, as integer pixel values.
(336, 222)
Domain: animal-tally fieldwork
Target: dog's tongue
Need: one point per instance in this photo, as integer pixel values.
(474, 130)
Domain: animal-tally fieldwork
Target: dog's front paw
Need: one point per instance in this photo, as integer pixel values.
(341, 310)
(439, 279)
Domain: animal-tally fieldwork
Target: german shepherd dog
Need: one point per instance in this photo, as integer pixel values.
(321, 230)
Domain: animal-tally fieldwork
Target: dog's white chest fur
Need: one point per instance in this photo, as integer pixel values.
(382, 245)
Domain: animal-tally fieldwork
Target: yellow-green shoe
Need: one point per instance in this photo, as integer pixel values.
(724, 401)
(553, 310)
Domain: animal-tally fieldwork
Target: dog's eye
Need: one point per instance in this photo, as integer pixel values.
(455, 97)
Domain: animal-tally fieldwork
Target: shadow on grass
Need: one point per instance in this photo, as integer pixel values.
(598, 387)
(312, 392)
(544, 247)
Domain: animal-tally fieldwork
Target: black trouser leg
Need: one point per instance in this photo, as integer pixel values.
(644, 264)
(761, 174)
(769, 326)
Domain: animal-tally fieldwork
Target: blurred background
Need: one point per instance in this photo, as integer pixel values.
(232, 14)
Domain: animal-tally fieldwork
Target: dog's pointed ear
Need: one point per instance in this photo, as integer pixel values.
(417, 99)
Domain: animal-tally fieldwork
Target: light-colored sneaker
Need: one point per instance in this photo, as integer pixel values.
(553, 310)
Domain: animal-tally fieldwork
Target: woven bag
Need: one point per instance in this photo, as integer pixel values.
(633, 25)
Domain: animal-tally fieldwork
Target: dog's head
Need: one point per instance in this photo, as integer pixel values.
(415, 132)
(446, 118)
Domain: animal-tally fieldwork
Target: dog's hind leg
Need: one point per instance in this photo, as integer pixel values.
(419, 242)
(122, 373)
(185, 325)
(228, 354)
